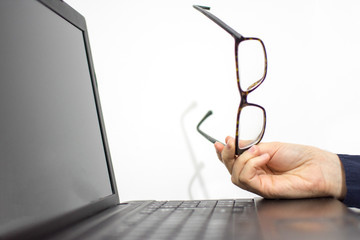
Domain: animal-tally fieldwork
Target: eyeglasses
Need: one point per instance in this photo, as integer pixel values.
(251, 69)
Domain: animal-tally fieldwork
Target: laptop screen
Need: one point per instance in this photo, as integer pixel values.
(52, 157)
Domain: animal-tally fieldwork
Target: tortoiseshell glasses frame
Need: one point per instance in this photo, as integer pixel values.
(243, 93)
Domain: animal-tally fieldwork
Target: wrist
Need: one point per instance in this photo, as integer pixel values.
(336, 177)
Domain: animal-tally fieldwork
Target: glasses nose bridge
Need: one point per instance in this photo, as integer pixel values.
(243, 97)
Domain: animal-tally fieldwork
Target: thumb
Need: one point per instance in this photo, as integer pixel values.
(251, 171)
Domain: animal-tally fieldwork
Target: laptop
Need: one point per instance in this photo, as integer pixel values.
(56, 175)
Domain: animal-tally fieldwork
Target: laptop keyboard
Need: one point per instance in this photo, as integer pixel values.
(207, 219)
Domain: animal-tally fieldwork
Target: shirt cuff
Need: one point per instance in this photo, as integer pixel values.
(351, 165)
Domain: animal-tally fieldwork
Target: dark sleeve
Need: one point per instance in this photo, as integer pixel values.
(351, 165)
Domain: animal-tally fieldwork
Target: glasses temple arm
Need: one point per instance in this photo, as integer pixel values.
(215, 19)
(211, 139)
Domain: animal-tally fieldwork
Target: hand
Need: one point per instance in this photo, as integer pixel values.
(281, 170)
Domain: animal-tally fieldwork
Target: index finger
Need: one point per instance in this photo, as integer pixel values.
(219, 148)
(228, 154)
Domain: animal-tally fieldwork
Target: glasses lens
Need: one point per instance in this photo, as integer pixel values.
(251, 60)
(251, 126)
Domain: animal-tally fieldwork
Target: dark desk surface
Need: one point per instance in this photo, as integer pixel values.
(323, 218)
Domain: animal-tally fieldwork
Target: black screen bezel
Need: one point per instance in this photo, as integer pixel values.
(41, 229)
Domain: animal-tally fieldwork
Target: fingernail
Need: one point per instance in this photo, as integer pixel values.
(217, 151)
(265, 156)
(252, 149)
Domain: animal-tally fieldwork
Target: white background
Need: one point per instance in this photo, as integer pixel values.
(161, 65)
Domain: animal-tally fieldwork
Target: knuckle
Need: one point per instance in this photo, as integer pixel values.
(234, 180)
(243, 180)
